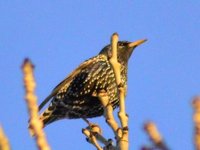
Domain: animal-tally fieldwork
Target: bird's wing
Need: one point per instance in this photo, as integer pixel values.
(66, 82)
(86, 82)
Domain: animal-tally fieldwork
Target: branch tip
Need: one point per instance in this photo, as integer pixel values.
(27, 62)
(35, 125)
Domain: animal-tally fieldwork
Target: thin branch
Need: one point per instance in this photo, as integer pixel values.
(123, 142)
(113, 60)
(155, 136)
(94, 136)
(31, 100)
(108, 111)
(4, 143)
(196, 119)
(91, 138)
(121, 133)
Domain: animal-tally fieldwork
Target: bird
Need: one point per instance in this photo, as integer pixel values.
(76, 96)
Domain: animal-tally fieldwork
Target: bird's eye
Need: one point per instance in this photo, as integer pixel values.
(121, 44)
(124, 43)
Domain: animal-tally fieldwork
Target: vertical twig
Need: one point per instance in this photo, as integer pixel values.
(113, 60)
(121, 133)
(196, 119)
(4, 143)
(155, 136)
(31, 100)
(108, 112)
(94, 133)
(123, 142)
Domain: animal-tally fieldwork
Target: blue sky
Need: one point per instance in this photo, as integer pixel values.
(58, 35)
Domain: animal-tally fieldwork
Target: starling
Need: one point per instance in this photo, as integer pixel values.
(76, 96)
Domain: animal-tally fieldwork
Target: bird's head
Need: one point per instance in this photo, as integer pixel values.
(124, 50)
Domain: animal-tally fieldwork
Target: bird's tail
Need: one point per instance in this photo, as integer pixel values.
(46, 117)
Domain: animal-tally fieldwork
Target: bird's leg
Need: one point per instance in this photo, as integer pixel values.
(91, 138)
(90, 124)
(92, 132)
(94, 135)
(87, 121)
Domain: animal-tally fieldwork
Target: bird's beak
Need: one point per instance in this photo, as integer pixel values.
(136, 43)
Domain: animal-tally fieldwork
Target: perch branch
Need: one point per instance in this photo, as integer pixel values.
(31, 100)
(108, 111)
(113, 60)
(123, 131)
(91, 138)
(155, 136)
(4, 143)
(94, 136)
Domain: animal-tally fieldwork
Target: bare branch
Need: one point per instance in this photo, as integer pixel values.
(108, 111)
(91, 138)
(94, 136)
(31, 100)
(123, 131)
(155, 136)
(4, 143)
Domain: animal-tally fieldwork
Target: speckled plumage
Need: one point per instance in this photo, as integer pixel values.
(76, 96)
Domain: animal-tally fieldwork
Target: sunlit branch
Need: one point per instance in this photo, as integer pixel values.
(4, 143)
(155, 136)
(31, 100)
(122, 134)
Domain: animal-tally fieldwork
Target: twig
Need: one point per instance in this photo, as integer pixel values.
(155, 136)
(35, 123)
(91, 138)
(4, 143)
(196, 119)
(121, 133)
(94, 136)
(108, 111)
(123, 142)
(113, 60)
